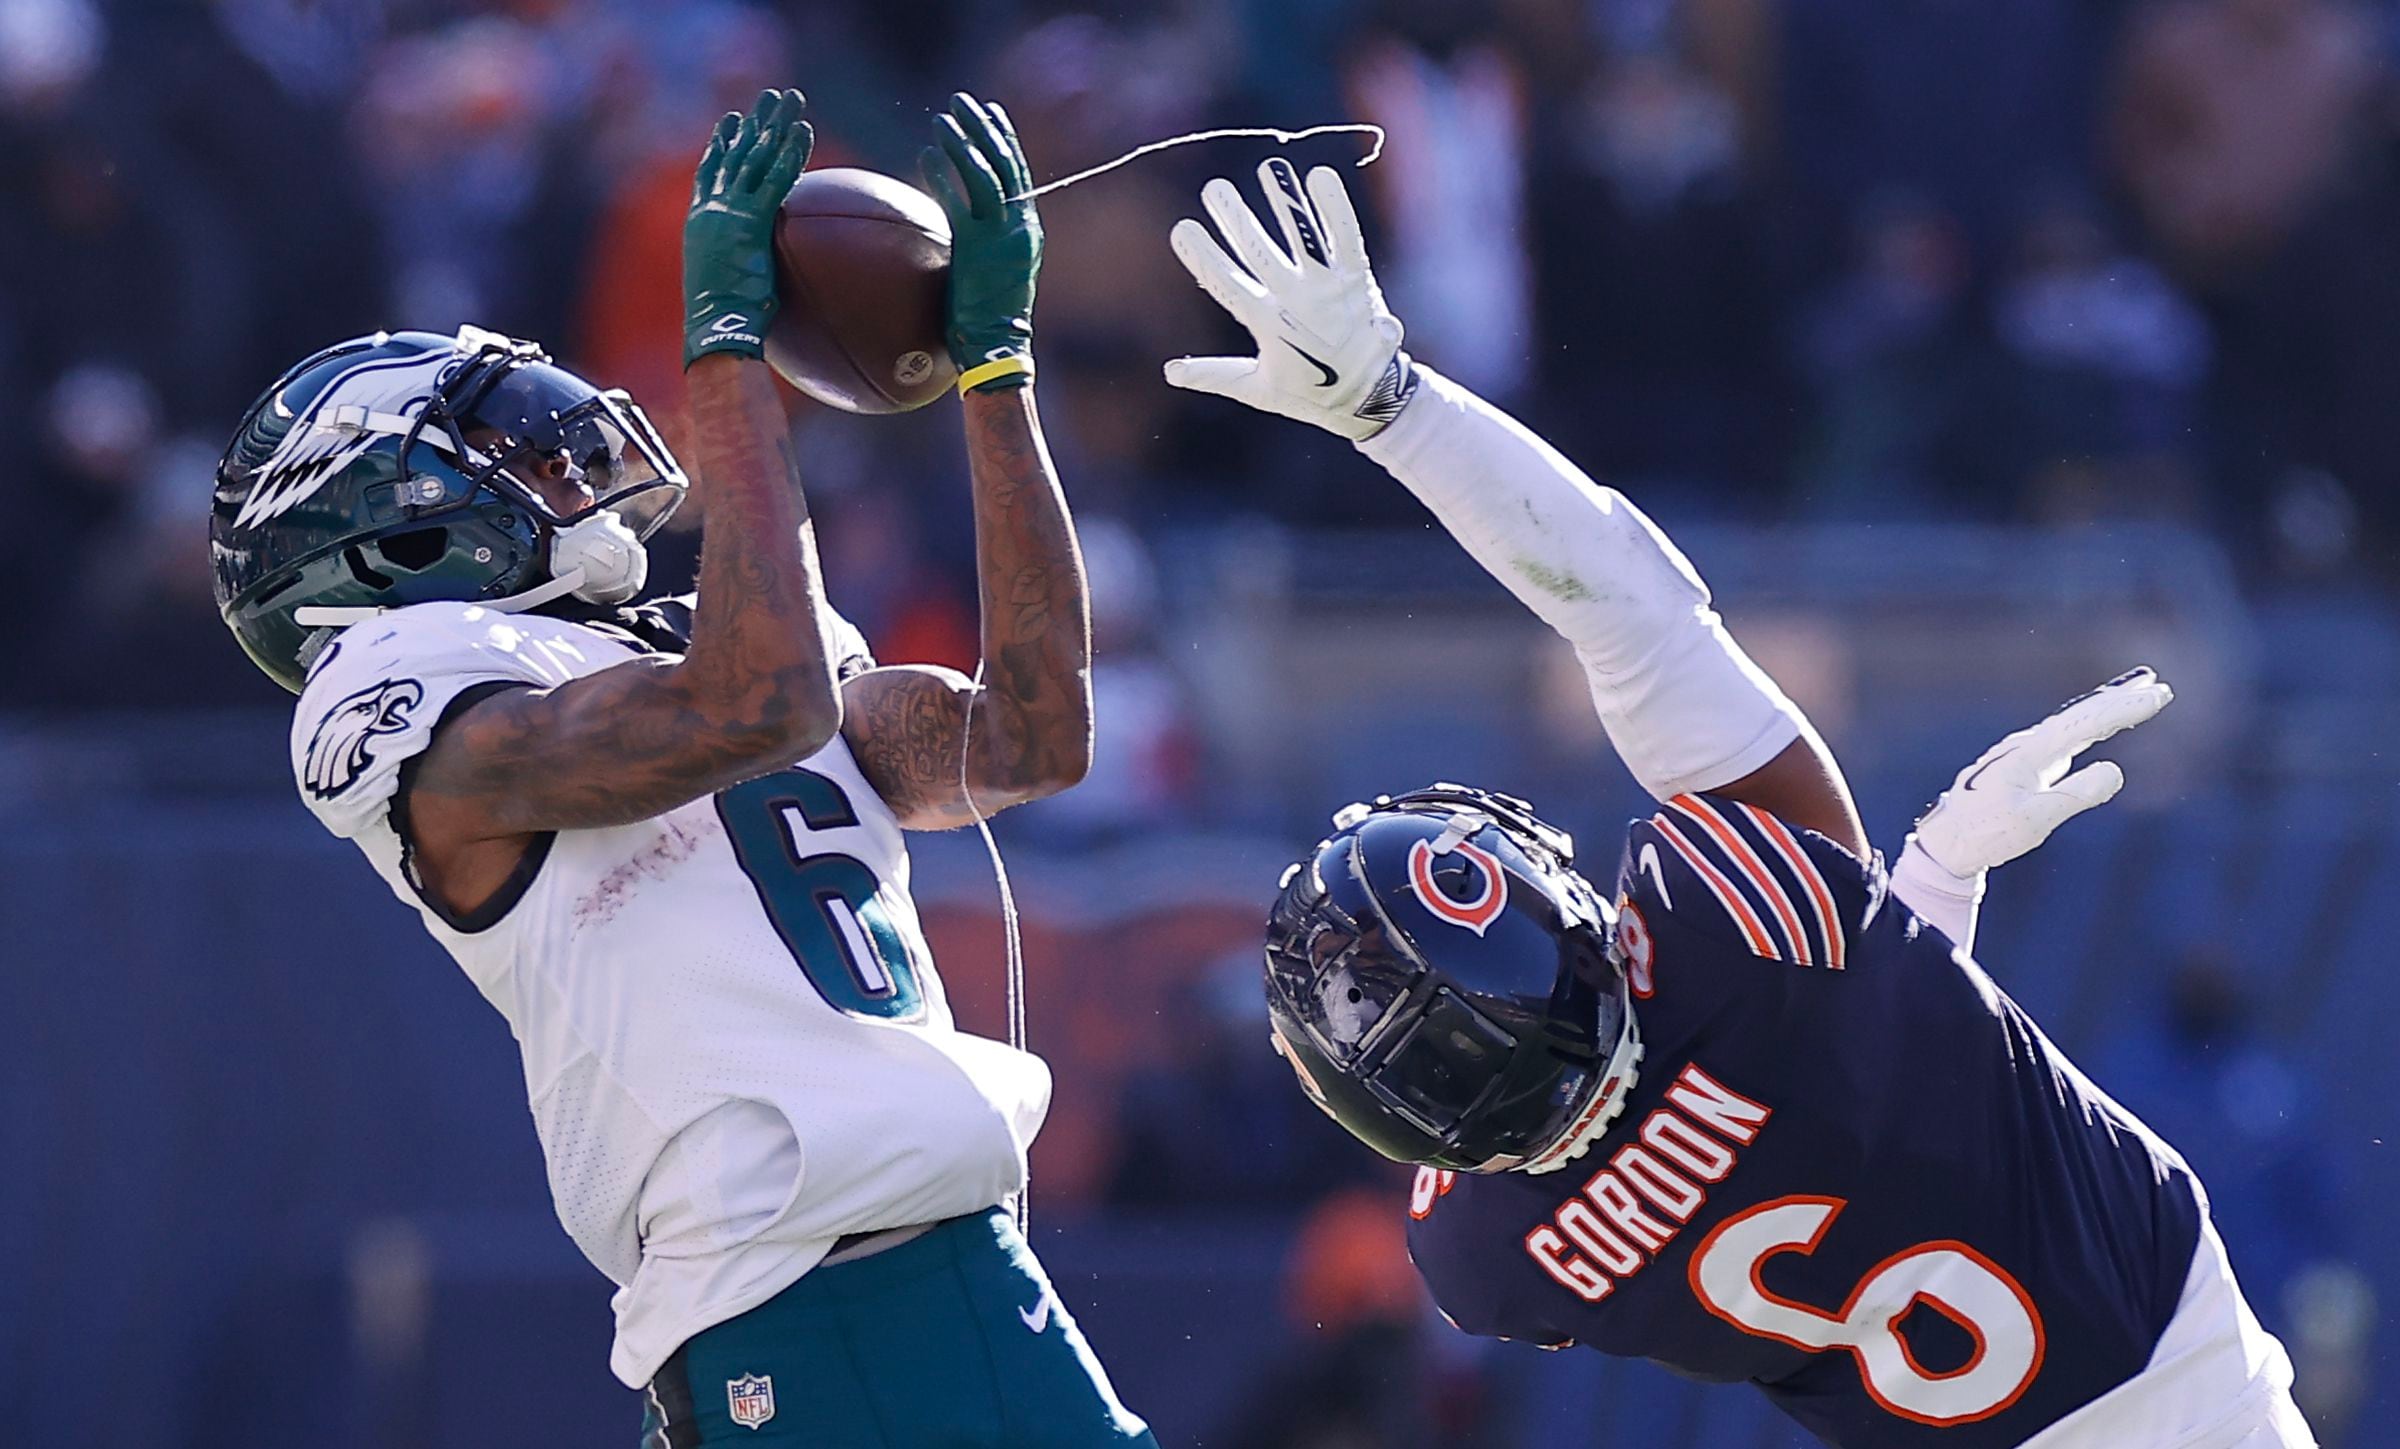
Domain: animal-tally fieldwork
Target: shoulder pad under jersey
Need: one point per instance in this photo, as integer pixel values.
(375, 696)
(1742, 877)
(664, 625)
(1472, 1260)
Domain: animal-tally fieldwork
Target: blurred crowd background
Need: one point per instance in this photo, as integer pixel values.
(1974, 351)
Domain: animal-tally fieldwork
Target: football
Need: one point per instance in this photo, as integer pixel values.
(862, 263)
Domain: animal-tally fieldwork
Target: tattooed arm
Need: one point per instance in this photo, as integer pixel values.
(1030, 726)
(754, 692)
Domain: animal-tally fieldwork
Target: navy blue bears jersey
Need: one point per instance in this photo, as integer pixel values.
(1852, 1171)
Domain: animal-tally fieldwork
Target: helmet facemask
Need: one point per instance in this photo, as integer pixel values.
(408, 468)
(510, 413)
(1488, 1030)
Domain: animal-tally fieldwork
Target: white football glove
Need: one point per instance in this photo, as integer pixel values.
(1328, 348)
(2018, 791)
(2012, 797)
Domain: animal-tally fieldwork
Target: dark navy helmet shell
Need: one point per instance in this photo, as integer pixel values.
(379, 473)
(1448, 988)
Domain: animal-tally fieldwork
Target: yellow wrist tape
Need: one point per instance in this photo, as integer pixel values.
(983, 372)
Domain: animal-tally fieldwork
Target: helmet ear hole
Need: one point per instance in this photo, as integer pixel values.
(362, 571)
(419, 548)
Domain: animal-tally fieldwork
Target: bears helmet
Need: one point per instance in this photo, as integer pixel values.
(1448, 988)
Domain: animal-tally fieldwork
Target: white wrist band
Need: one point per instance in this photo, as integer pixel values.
(1950, 903)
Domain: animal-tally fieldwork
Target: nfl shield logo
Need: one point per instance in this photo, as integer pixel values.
(751, 1399)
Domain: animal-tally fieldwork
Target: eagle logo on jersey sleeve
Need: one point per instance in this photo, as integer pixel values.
(341, 749)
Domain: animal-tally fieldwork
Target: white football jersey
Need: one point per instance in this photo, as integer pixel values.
(735, 1044)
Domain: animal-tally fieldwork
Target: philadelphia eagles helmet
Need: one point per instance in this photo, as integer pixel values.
(384, 472)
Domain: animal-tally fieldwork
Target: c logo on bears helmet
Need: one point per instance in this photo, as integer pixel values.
(1476, 913)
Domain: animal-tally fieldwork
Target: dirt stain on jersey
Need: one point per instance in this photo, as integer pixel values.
(1563, 586)
(653, 862)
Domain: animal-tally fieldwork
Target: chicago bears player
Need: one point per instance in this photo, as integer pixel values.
(663, 836)
(1757, 1115)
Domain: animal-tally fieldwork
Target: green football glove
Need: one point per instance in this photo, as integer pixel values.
(978, 173)
(729, 236)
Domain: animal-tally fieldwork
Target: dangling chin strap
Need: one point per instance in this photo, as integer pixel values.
(605, 564)
(326, 616)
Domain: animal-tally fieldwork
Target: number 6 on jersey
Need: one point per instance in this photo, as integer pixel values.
(1950, 1278)
(828, 908)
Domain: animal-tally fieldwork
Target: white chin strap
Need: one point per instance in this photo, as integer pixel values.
(610, 561)
(596, 559)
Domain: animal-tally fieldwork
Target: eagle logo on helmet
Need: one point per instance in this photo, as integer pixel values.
(1476, 913)
(379, 397)
(338, 753)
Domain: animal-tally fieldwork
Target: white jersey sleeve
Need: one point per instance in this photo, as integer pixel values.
(848, 650)
(379, 691)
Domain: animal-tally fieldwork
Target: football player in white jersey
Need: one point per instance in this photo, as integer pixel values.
(663, 836)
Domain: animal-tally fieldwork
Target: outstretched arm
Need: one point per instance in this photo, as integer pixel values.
(1684, 706)
(941, 751)
(1027, 732)
(755, 691)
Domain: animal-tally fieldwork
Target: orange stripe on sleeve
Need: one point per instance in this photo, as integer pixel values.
(1819, 894)
(1778, 899)
(1726, 895)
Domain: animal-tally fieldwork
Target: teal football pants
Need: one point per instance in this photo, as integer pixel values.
(952, 1340)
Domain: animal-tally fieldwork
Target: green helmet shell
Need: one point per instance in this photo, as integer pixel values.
(352, 483)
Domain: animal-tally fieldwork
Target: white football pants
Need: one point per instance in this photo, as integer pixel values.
(2217, 1380)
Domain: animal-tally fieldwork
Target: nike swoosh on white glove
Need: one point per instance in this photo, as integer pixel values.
(1328, 348)
(2019, 791)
